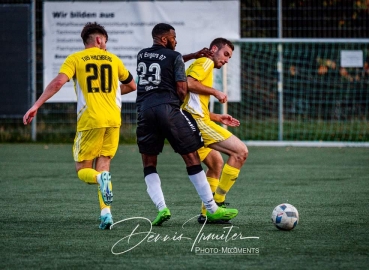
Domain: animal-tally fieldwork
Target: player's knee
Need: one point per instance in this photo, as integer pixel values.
(242, 153)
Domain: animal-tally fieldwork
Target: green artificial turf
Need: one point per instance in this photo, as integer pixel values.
(50, 217)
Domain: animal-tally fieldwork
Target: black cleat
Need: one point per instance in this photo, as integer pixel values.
(222, 204)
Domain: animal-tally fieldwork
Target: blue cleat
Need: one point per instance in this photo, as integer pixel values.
(106, 188)
(106, 221)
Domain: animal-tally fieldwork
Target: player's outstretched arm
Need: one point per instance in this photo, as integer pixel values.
(54, 86)
(197, 87)
(204, 52)
(225, 119)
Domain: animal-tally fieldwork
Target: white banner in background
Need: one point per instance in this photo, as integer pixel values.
(129, 26)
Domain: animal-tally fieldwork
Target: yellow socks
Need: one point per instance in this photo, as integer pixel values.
(227, 179)
(88, 175)
(213, 182)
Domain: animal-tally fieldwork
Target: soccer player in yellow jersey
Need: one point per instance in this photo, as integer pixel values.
(200, 82)
(96, 74)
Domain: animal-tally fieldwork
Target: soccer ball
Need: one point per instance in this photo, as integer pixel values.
(285, 216)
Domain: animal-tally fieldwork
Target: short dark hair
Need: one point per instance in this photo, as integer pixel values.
(92, 28)
(220, 42)
(160, 29)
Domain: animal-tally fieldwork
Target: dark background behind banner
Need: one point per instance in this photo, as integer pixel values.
(15, 55)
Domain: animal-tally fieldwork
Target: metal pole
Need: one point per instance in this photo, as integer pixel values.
(280, 73)
(225, 90)
(33, 67)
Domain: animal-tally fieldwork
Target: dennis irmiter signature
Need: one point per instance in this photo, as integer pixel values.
(123, 245)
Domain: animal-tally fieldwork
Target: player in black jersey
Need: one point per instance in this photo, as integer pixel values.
(161, 89)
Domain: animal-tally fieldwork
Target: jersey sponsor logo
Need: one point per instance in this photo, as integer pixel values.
(148, 88)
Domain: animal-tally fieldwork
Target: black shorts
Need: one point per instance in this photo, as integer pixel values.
(167, 122)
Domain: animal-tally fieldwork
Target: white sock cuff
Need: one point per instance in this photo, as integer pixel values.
(105, 210)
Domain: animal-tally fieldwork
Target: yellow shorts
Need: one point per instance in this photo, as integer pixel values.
(211, 132)
(203, 152)
(90, 144)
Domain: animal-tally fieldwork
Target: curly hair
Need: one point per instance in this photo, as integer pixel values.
(92, 28)
(161, 29)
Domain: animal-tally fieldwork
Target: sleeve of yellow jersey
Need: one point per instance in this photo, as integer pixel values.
(200, 69)
(69, 66)
(123, 73)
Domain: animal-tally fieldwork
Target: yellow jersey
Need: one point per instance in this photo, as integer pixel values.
(196, 104)
(96, 74)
